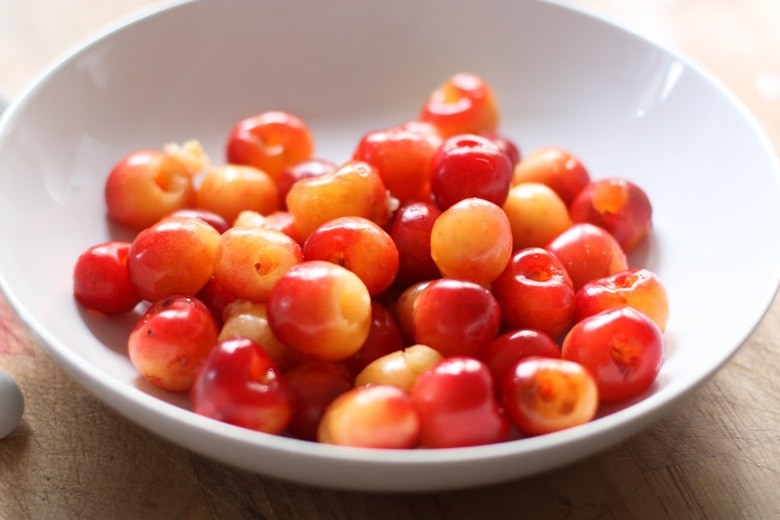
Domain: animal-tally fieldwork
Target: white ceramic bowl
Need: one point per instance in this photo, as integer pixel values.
(626, 106)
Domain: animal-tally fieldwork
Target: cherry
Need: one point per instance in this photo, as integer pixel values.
(270, 141)
(621, 347)
(544, 395)
(464, 103)
(457, 407)
(456, 317)
(239, 384)
(535, 292)
(170, 341)
(469, 165)
(617, 205)
(100, 279)
(313, 386)
(174, 256)
(376, 416)
(321, 309)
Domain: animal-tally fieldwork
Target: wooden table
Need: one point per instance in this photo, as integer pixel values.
(716, 456)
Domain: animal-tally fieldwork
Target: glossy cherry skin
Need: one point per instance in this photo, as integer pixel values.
(411, 232)
(555, 167)
(639, 288)
(621, 347)
(467, 166)
(404, 307)
(358, 244)
(100, 279)
(544, 395)
(229, 189)
(320, 309)
(174, 256)
(472, 240)
(271, 141)
(216, 298)
(171, 340)
(588, 252)
(617, 205)
(384, 337)
(302, 170)
(508, 146)
(373, 416)
(313, 385)
(400, 368)
(535, 292)
(457, 406)
(509, 348)
(239, 384)
(456, 317)
(145, 186)
(464, 103)
(355, 189)
(403, 156)
(209, 217)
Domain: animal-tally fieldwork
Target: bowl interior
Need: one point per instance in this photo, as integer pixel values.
(625, 106)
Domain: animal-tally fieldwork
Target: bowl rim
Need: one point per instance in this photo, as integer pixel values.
(622, 423)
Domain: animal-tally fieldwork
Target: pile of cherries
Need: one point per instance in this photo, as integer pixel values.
(436, 290)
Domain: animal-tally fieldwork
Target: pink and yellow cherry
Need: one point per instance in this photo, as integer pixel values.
(463, 104)
(376, 416)
(617, 205)
(456, 317)
(229, 189)
(404, 308)
(278, 221)
(283, 221)
(313, 386)
(411, 232)
(298, 171)
(536, 213)
(621, 347)
(321, 309)
(209, 217)
(246, 319)
(249, 218)
(216, 298)
(554, 167)
(509, 348)
(174, 256)
(402, 156)
(472, 240)
(239, 384)
(384, 337)
(354, 189)
(100, 279)
(639, 288)
(249, 261)
(468, 165)
(270, 141)
(535, 292)
(171, 340)
(588, 252)
(399, 368)
(358, 244)
(506, 145)
(148, 185)
(544, 395)
(457, 407)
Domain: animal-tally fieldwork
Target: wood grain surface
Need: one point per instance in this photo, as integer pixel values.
(717, 456)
